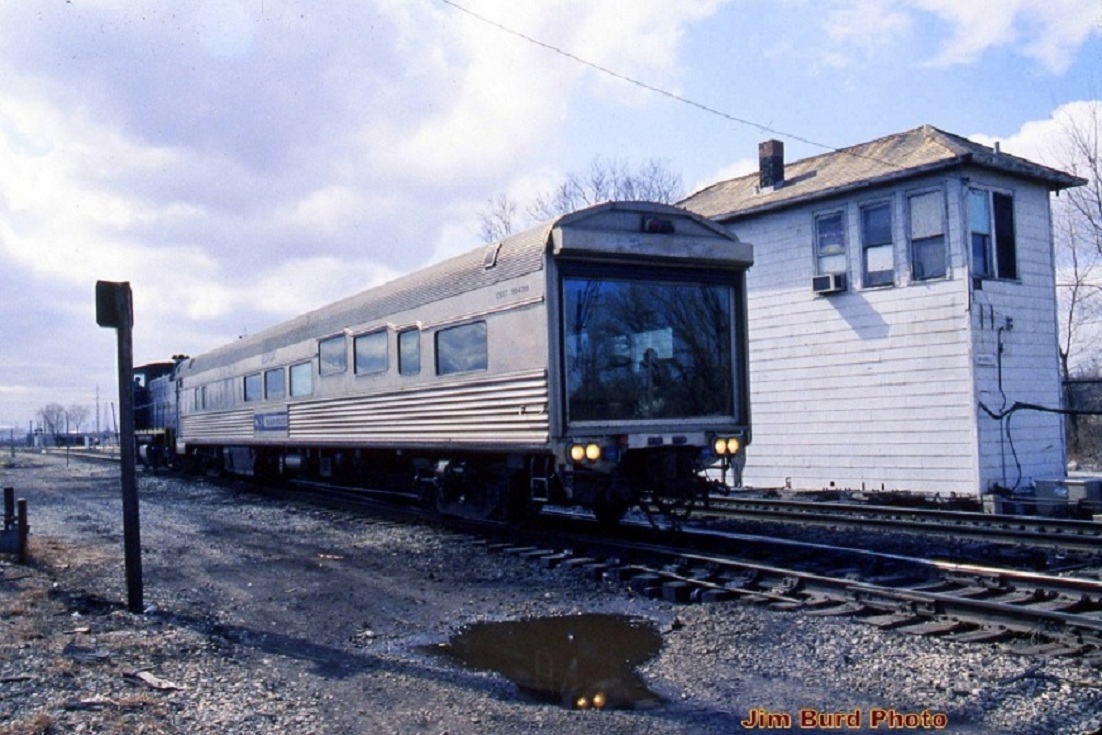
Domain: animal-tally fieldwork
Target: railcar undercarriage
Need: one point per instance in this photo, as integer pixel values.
(506, 487)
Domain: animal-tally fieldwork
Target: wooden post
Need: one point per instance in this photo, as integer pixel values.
(114, 308)
(9, 507)
(23, 527)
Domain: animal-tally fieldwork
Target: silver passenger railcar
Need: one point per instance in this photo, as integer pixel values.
(597, 360)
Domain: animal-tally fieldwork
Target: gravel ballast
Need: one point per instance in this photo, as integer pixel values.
(268, 616)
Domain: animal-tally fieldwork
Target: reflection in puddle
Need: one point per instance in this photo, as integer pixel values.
(580, 661)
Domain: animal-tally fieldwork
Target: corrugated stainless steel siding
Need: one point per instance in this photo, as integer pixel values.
(224, 427)
(509, 409)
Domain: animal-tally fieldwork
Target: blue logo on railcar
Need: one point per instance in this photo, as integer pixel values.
(277, 421)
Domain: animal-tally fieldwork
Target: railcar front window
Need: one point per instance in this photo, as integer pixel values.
(638, 350)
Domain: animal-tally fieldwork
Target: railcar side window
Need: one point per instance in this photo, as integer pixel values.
(370, 351)
(302, 379)
(332, 355)
(274, 384)
(409, 352)
(253, 387)
(461, 349)
(638, 350)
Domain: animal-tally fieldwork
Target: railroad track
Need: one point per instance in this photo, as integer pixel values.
(965, 602)
(1037, 532)
(962, 601)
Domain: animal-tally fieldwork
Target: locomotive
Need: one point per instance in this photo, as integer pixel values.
(598, 360)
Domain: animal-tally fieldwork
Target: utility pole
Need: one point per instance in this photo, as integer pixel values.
(115, 308)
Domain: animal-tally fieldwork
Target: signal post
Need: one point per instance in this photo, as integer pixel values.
(115, 309)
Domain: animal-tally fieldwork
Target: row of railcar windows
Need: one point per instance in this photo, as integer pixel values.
(459, 349)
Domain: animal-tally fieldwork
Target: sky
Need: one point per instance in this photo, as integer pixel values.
(239, 162)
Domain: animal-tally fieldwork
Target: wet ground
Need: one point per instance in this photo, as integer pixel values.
(277, 617)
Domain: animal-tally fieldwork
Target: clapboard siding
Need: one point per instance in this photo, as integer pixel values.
(881, 387)
(889, 385)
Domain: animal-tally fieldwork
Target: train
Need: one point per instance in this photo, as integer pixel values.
(598, 360)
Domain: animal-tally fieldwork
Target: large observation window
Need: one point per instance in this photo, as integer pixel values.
(646, 350)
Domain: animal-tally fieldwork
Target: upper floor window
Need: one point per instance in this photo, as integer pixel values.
(409, 352)
(991, 230)
(830, 243)
(302, 379)
(461, 349)
(332, 355)
(253, 387)
(878, 254)
(371, 352)
(926, 212)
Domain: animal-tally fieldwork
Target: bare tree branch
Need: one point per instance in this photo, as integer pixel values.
(603, 181)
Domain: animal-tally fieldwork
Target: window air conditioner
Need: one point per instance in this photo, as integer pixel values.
(829, 283)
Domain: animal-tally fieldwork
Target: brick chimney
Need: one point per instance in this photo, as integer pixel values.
(771, 163)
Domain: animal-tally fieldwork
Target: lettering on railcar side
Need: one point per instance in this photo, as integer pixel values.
(514, 291)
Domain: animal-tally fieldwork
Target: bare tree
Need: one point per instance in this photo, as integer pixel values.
(52, 416)
(1078, 236)
(1077, 230)
(497, 221)
(76, 415)
(603, 181)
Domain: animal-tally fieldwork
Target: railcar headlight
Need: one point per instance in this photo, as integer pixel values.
(724, 446)
(592, 452)
(577, 452)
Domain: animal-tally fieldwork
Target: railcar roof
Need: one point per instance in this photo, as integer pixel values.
(516, 255)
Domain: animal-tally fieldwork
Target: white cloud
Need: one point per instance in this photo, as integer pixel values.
(1046, 141)
(1047, 31)
(867, 23)
(242, 162)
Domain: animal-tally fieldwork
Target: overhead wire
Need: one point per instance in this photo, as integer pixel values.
(658, 90)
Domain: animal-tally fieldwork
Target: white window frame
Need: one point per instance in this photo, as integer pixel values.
(866, 274)
(836, 249)
(925, 239)
(1000, 239)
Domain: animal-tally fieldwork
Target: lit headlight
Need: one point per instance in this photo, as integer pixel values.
(592, 452)
(577, 452)
(723, 446)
